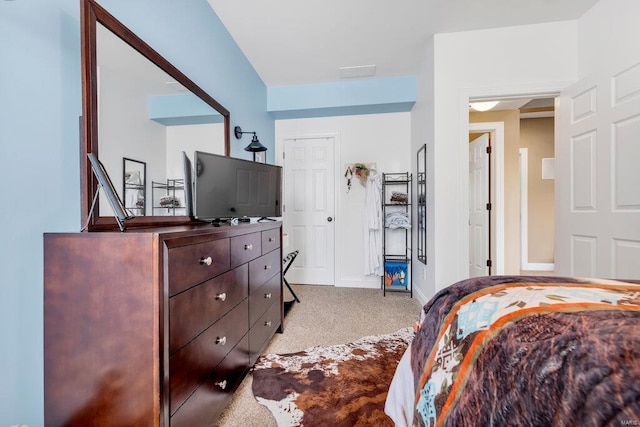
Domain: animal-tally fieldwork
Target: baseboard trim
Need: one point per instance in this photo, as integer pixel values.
(422, 298)
(539, 266)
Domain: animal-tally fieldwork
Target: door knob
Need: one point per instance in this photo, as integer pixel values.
(329, 219)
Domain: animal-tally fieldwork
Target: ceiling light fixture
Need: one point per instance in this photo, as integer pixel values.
(483, 106)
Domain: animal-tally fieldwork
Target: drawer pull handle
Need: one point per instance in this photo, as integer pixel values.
(270, 239)
(267, 296)
(222, 384)
(221, 297)
(267, 267)
(206, 260)
(248, 247)
(267, 323)
(221, 341)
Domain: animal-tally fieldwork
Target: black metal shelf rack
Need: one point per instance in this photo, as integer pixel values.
(396, 200)
(174, 189)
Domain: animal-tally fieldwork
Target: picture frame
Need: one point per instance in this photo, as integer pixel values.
(105, 183)
(260, 156)
(396, 274)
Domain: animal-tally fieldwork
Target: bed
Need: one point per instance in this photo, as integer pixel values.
(523, 350)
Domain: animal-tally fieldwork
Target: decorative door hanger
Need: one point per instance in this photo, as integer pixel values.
(360, 170)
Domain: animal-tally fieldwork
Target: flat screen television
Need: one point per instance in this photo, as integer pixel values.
(226, 187)
(188, 184)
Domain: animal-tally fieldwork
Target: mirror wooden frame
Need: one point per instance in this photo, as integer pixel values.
(92, 14)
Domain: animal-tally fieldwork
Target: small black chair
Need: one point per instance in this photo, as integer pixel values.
(288, 260)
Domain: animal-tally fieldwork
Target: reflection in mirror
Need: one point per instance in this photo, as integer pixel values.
(422, 203)
(134, 188)
(144, 113)
(137, 105)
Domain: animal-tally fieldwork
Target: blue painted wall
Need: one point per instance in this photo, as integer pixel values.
(39, 179)
(40, 102)
(346, 97)
(183, 109)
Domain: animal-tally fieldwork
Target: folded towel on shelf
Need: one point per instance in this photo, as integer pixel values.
(397, 220)
(169, 202)
(398, 197)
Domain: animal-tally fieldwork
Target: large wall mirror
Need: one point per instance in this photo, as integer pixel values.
(422, 203)
(137, 105)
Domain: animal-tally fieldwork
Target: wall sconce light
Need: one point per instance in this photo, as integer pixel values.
(254, 146)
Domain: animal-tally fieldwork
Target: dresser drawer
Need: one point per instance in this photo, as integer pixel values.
(263, 269)
(193, 264)
(196, 361)
(194, 310)
(209, 400)
(262, 331)
(261, 299)
(245, 248)
(270, 240)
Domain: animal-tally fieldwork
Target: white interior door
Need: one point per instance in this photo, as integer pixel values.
(309, 209)
(598, 177)
(478, 200)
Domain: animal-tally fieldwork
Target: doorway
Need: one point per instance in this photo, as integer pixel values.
(479, 206)
(495, 230)
(537, 195)
(504, 124)
(309, 208)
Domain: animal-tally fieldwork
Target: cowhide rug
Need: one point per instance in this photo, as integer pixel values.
(340, 385)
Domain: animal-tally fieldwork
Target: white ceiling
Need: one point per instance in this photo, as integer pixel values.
(114, 54)
(292, 42)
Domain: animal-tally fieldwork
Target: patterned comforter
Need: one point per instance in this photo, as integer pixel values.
(516, 350)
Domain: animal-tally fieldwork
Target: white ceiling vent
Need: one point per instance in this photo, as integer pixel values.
(357, 71)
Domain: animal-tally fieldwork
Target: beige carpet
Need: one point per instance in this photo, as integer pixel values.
(325, 316)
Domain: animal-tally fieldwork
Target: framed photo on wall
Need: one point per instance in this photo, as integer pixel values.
(260, 156)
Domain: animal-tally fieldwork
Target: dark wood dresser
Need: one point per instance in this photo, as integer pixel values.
(156, 327)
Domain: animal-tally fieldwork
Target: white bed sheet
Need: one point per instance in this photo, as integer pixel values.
(401, 396)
